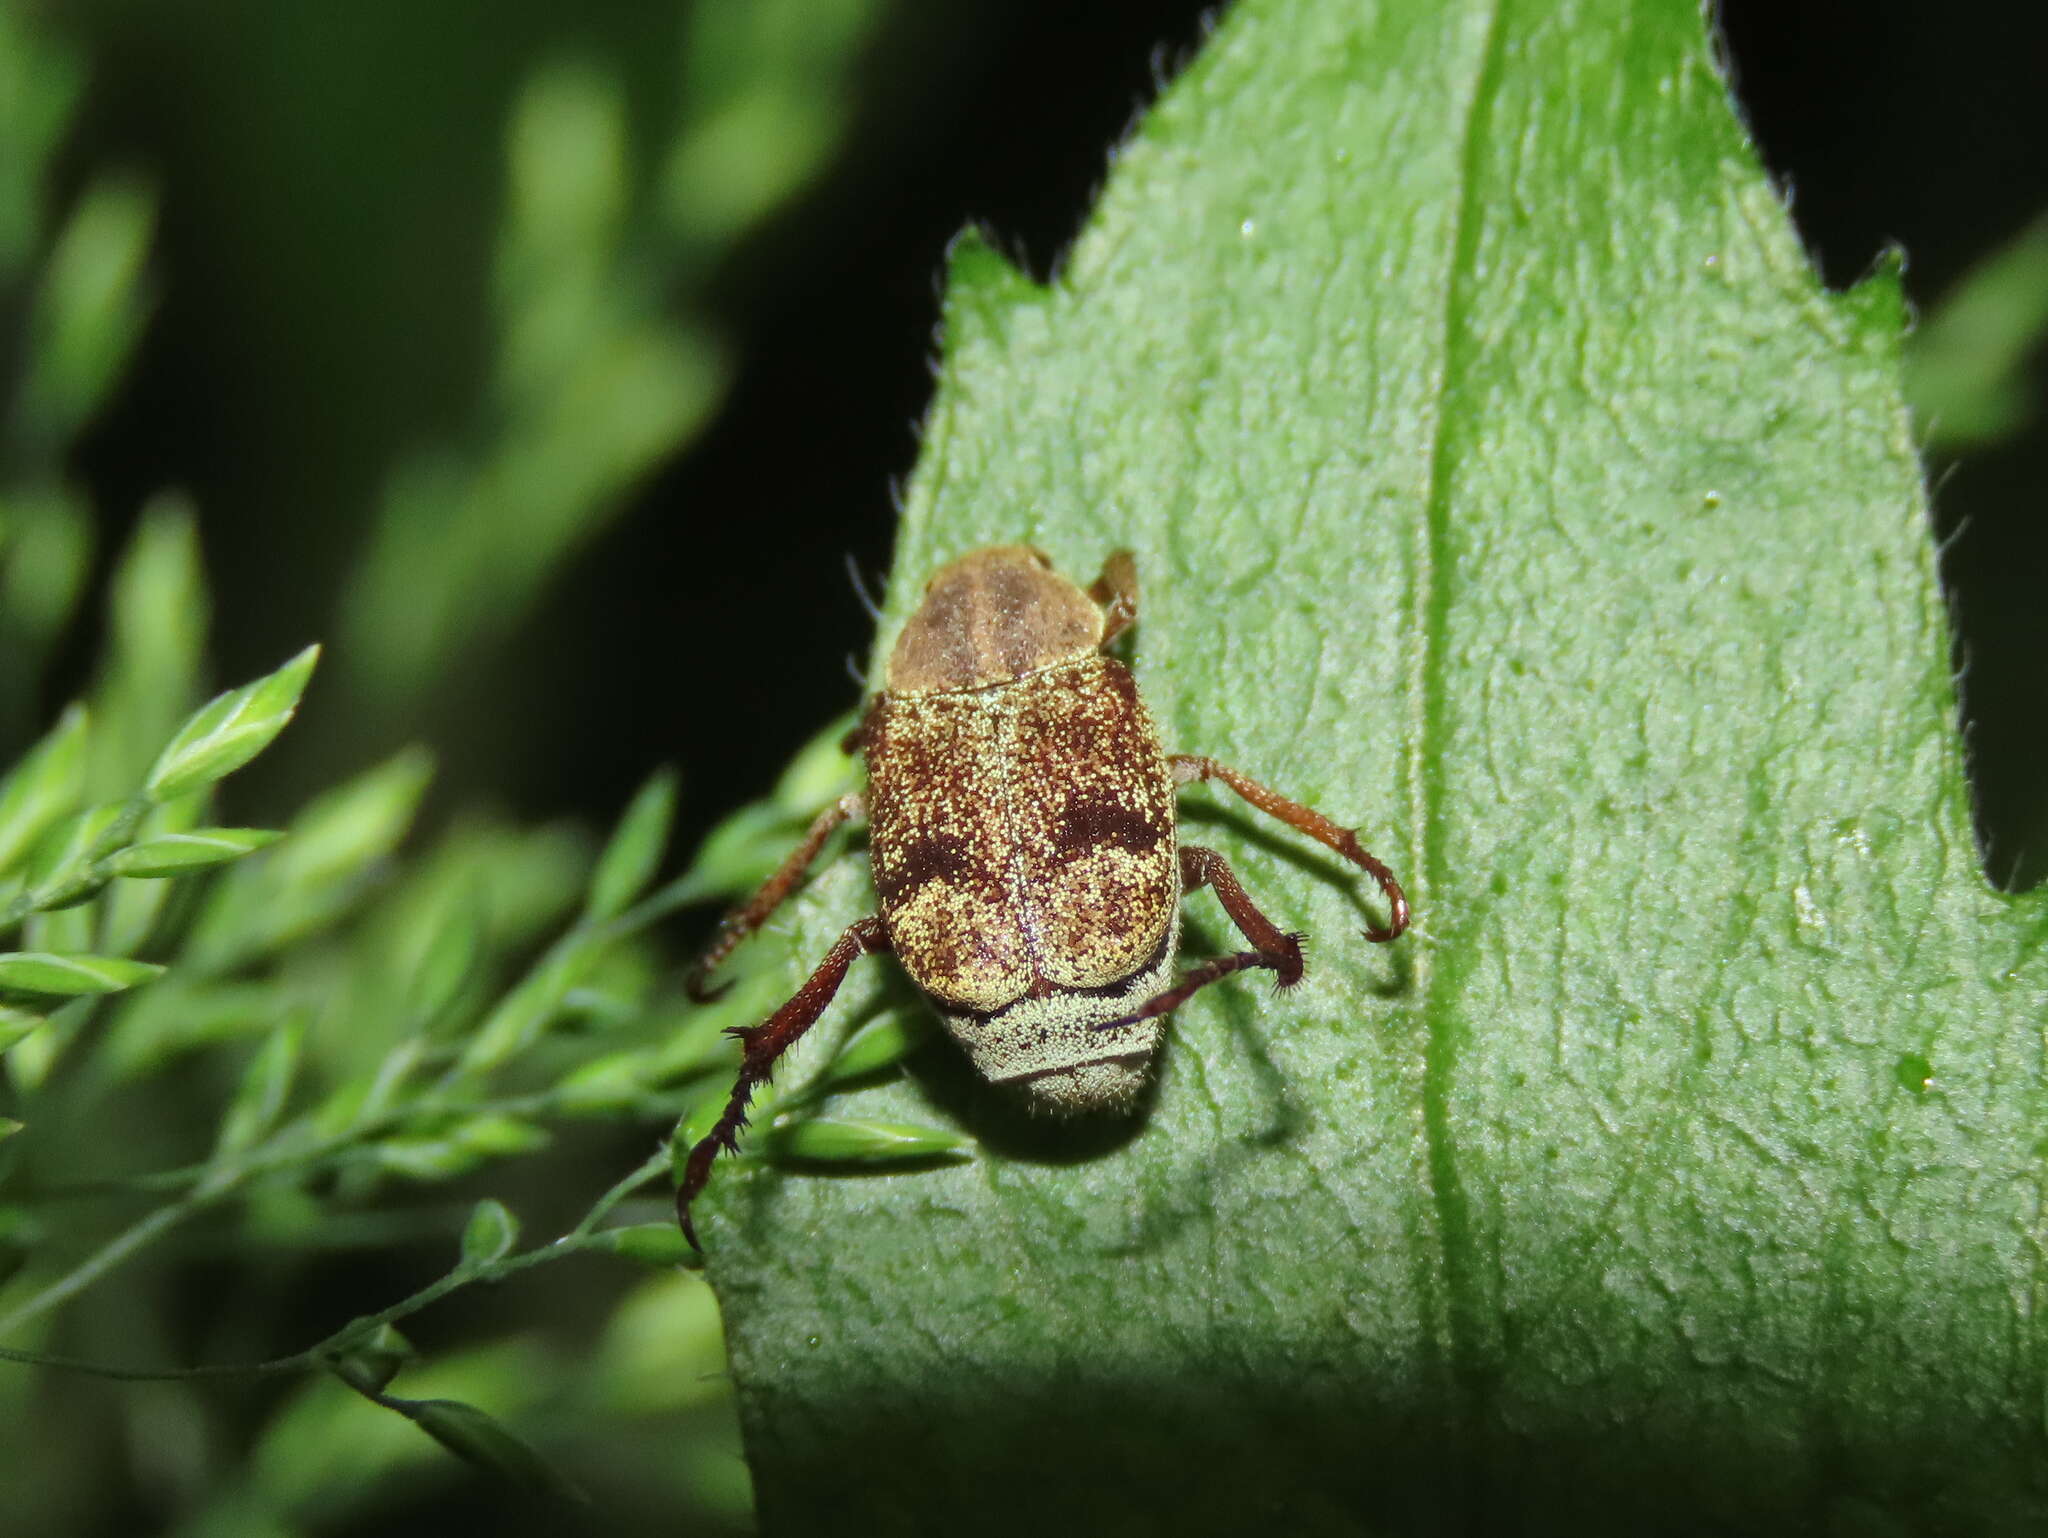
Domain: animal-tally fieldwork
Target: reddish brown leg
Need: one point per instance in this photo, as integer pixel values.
(1189, 767)
(1278, 952)
(755, 912)
(763, 1044)
(1117, 591)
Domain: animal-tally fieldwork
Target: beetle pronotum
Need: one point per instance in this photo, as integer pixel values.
(1020, 812)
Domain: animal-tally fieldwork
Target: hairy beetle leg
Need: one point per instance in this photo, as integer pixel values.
(1200, 868)
(764, 1044)
(757, 910)
(1190, 767)
(1277, 951)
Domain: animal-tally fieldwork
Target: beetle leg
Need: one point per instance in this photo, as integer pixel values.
(1275, 950)
(1190, 767)
(756, 910)
(1201, 867)
(764, 1044)
(1117, 591)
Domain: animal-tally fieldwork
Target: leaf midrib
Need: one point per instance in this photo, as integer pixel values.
(1465, 1293)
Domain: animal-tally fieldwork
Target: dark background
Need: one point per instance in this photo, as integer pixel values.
(329, 177)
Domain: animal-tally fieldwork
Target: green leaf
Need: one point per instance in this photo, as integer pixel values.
(9, 1126)
(527, 1010)
(39, 88)
(426, 1159)
(45, 972)
(824, 1140)
(181, 854)
(820, 774)
(35, 1055)
(69, 863)
(463, 1148)
(157, 619)
(89, 309)
(489, 1235)
(332, 848)
(477, 1439)
(21, 1233)
(132, 909)
(266, 1083)
(609, 1083)
(46, 551)
(231, 729)
(45, 785)
(447, 963)
(1966, 373)
(17, 1023)
(652, 1244)
(631, 858)
(501, 1136)
(369, 1367)
(593, 380)
(881, 1043)
(1501, 480)
(741, 851)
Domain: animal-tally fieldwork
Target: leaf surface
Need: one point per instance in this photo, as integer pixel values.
(1500, 479)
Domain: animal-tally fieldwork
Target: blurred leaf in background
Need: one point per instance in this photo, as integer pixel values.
(72, 288)
(298, 1046)
(606, 358)
(1966, 368)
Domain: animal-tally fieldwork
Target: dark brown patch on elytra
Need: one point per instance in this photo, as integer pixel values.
(1091, 801)
(921, 858)
(1101, 822)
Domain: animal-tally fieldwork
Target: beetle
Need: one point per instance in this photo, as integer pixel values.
(1021, 831)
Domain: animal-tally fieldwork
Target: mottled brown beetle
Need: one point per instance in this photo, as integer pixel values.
(1021, 830)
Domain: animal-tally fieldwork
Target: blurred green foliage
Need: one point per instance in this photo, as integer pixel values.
(606, 357)
(1966, 366)
(72, 283)
(293, 1058)
(329, 1024)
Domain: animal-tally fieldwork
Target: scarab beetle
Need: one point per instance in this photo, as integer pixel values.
(1020, 816)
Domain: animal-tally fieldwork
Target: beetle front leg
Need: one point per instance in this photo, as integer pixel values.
(1275, 950)
(766, 1042)
(1190, 767)
(757, 910)
(1116, 590)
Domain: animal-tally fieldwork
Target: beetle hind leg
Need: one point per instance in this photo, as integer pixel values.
(763, 1045)
(1274, 950)
(1190, 767)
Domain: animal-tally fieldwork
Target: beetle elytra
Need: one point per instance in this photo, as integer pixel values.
(1021, 831)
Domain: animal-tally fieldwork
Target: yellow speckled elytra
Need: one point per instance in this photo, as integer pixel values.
(1021, 828)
